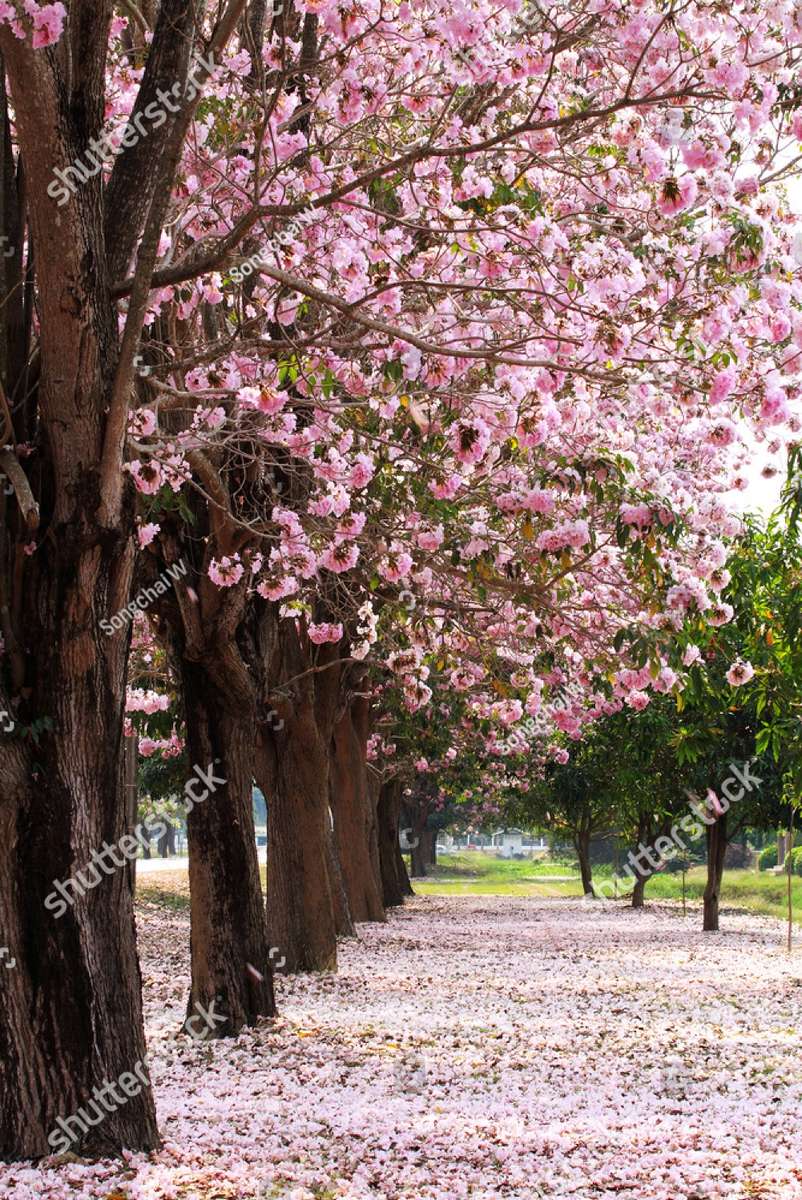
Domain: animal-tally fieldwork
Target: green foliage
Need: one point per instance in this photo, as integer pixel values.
(796, 861)
(767, 858)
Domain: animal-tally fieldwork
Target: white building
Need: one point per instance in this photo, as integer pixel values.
(510, 843)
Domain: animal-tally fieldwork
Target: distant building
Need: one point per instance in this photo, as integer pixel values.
(510, 843)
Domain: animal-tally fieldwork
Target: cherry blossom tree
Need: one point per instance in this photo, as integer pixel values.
(493, 294)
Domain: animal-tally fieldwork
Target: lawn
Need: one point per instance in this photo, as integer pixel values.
(472, 873)
(475, 873)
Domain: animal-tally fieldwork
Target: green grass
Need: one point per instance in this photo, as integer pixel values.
(763, 893)
(474, 873)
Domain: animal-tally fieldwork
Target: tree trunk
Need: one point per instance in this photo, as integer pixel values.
(166, 842)
(70, 1010)
(716, 849)
(292, 769)
(131, 799)
(423, 853)
(395, 880)
(231, 965)
(293, 774)
(354, 819)
(582, 847)
(342, 913)
(639, 889)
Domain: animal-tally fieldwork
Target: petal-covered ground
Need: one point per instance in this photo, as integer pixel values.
(482, 1047)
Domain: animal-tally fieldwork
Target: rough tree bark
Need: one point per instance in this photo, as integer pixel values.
(70, 1010)
(422, 853)
(130, 757)
(582, 847)
(203, 628)
(638, 890)
(292, 769)
(354, 816)
(716, 850)
(343, 921)
(230, 951)
(394, 876)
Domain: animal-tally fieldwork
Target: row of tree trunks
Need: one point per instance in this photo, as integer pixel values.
(262, 702)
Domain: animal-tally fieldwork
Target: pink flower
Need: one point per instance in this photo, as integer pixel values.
(142, 423)
(430, 539)
(350, 526)
(722, 433)
(277, 591)
(227, 571)
(722, 385)
(396, 565)
(271, 402)
(48, 22)
(677, 196)
(147, 476)
(362, 472)
(146, 534)
(446, 490)
(721, 614)
(539, 501)
(320, 634)
(469, 440)
(690, 655)
(740, 672)
(636, 514)
(342, 556)
(774, 410)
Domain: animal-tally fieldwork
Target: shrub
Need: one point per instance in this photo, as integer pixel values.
(767, 858)
(796, 861)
